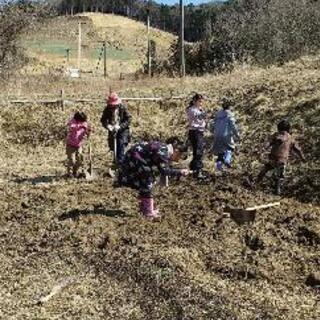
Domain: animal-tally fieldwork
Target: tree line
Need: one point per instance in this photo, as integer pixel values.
(219, 34)
(197, 18)
(259, 32)
(222, 33)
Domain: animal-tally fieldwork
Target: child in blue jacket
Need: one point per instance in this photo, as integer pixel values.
(225, 133)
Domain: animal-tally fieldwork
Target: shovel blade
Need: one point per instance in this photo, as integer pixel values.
(243, 216)
(91, 174)
(112, 173)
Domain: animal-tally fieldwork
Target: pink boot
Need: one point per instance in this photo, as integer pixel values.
(147, 208)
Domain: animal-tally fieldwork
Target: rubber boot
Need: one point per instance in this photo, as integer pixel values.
(75, 172)
(219, 165)
(147, 208)
(227, 158)
(278, 188)
(198, 174)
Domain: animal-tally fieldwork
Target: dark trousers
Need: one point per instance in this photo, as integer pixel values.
(278, 167)
(122, 142)
(197, 142)
(279, 174)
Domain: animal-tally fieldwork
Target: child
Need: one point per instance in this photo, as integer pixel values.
(197, 123)
(281, 143)
(225, 131)
(78, 129)
(137, 170)
(116, 119)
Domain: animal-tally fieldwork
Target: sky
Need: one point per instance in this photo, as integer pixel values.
(170, 2)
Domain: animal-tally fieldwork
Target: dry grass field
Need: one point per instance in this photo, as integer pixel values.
(126, 51)
(85, 243)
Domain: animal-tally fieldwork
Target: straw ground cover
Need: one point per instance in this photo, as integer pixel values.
(87, 239)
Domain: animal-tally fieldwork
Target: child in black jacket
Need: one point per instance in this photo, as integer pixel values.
(116, 119)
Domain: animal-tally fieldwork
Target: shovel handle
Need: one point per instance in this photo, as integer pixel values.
(90, 152)
(263, 206)
(115, 148)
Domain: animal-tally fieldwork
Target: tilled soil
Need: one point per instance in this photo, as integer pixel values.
(117, 264)
(78, 249)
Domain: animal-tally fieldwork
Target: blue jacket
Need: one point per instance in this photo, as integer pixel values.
(224, 131)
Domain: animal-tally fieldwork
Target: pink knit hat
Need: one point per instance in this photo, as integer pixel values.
(113, 99)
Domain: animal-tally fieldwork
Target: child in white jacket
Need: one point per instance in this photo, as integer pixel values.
(197, 124)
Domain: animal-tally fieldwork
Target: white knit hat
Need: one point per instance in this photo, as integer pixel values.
(170, 149)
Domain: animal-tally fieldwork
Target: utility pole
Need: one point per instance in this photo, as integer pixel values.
(149, 45)
(105, 59)
(68, 54)
(182, 58)
(79, 43)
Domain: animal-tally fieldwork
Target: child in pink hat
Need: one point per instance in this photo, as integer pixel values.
(116, 119)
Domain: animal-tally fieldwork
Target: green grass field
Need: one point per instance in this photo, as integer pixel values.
(59, 49)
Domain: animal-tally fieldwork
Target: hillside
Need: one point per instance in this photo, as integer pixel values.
(87, 238)
(126, 44)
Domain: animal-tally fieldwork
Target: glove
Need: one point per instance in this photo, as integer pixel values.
(116, 127)
(110, 127)
(184, 172)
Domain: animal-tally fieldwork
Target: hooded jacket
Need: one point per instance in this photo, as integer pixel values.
(224, 130)
(76, 133)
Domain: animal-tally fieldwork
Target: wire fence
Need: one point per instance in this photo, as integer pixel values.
(61, 57)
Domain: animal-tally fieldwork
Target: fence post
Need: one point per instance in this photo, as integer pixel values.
(62, 99)
(105, 59)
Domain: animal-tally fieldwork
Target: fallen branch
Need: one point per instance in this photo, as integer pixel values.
(55, 290)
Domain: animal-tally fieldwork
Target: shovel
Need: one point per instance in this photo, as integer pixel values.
(90, 174)
(164, 181)
(115, 148)
(111, 171)
(247, 215)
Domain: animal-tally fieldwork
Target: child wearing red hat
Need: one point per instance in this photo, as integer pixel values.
(116, 119)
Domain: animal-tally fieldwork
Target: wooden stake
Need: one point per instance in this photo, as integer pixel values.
(79, 44)
(62, 99)
(182, 57)
(68, 54)
(149, 45)
(105, 59)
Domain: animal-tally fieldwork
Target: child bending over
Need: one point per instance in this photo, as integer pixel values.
(137, 171)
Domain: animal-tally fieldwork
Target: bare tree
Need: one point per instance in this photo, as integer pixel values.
(15, 18)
